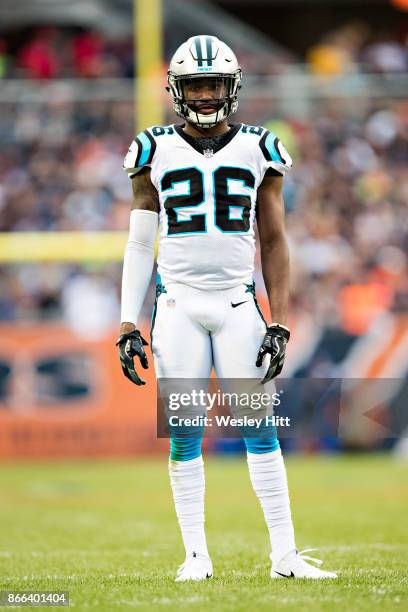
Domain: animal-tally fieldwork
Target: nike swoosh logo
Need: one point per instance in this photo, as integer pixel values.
(291, 575)
(238, 304)
(209, 575)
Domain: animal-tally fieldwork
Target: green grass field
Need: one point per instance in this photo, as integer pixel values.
(107, 533)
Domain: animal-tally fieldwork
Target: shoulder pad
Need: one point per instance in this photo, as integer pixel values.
(141, 151)
(146, 147)
(143, 147)
(273, 150)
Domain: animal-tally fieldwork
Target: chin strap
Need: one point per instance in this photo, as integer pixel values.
(205, 121)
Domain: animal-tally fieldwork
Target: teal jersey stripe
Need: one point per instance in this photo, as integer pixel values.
(146, 147)
(270, 145)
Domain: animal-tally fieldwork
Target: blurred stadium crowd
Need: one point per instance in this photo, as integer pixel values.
(346, 201)
(50, 53)
(346, 197)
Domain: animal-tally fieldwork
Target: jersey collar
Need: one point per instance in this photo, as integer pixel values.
(234, 129)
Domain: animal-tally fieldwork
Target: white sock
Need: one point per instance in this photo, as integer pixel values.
(188, 484)
(268, 476)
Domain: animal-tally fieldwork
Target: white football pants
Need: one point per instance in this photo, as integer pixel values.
(194, 330)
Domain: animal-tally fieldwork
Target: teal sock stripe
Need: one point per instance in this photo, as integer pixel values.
(184, 449)
(261, 440)
(261, 445)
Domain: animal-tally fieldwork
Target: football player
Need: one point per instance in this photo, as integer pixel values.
(203, 184)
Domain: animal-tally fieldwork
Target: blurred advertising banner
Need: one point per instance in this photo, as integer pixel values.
(63, 396)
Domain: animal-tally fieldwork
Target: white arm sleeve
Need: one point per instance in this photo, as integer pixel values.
(138, 263)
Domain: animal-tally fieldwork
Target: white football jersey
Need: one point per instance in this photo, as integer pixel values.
(207, 200)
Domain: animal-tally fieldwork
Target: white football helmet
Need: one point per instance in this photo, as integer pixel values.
(204, 57)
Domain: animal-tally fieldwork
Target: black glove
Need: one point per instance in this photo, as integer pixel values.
(274, 344)
(132, 344)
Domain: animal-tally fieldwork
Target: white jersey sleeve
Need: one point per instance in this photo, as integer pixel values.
(276, 159)
(140, 153)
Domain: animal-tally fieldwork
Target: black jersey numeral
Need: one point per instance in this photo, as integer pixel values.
(232, 210)
(225, 200)
(252, 129)
(196, 223)
(158, 130)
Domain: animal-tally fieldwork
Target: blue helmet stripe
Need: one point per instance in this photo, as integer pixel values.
(197, 43)
(208, 44)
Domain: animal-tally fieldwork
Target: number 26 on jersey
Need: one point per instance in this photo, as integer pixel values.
(231, 211)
